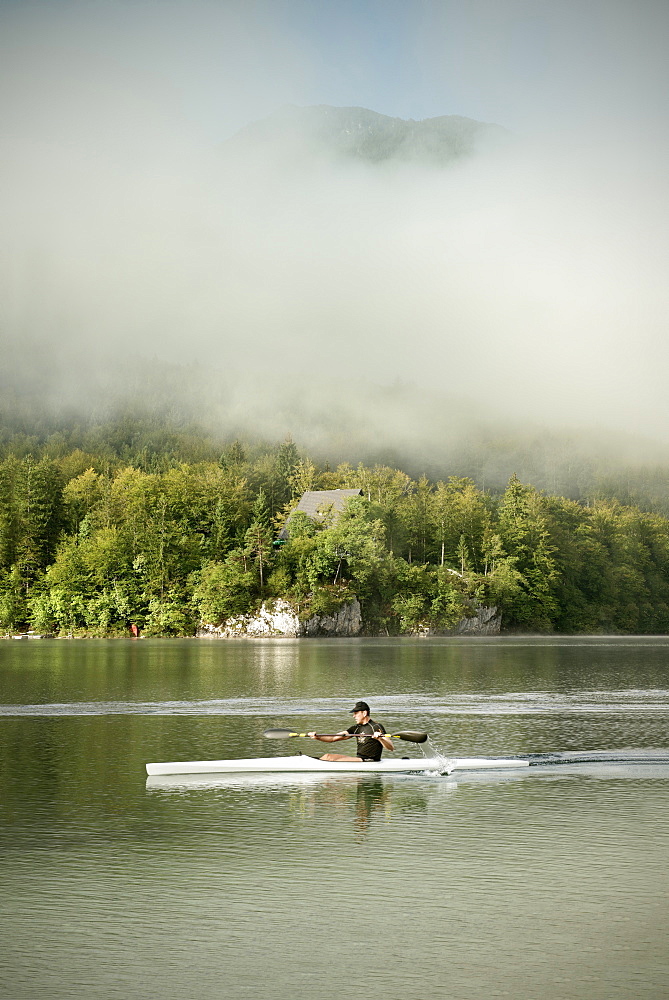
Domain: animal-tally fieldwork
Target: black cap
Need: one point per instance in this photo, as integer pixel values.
(360, 706)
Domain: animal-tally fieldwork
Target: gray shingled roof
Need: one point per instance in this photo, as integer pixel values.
(316, 504)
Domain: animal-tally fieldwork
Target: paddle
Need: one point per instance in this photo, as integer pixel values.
(284, 734)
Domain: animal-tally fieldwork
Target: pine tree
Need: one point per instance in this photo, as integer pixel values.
(259, 538)
(525, 535)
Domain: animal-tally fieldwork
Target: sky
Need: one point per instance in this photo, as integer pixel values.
(528, 283)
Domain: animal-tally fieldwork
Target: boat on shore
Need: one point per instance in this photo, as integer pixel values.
(307, 764)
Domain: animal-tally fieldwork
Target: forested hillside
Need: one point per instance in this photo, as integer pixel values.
(367, 136)
(93, 542)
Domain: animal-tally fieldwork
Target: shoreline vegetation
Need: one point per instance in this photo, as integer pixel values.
(111, 542)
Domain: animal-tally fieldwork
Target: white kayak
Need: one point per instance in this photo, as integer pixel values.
(305, 763)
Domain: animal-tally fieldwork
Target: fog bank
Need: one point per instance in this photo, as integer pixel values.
(525, 284)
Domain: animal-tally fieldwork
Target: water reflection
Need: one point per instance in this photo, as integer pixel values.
(365, 800)
(371, 797)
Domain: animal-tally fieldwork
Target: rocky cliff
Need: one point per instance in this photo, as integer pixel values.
(279, 619)
(486, 621)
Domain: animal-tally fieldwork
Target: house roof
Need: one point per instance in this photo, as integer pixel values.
(316, 504)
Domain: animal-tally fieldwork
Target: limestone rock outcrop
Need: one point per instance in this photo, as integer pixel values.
(486, 621)
(279, 619)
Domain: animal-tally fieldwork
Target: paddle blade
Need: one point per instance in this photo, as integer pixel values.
(411, 737)
(279, 734)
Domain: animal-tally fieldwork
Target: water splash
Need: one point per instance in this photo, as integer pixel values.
(431, 750)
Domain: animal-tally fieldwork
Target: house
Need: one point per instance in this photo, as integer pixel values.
(320, 504)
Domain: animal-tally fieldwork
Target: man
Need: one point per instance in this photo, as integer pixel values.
(370, 735)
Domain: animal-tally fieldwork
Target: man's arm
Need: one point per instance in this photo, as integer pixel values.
(331, 739)
(383, 740)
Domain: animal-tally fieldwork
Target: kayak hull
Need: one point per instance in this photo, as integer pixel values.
(305, 763)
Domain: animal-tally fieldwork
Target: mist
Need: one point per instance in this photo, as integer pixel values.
(522, 287)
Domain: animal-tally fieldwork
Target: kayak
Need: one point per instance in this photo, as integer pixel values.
(305, 763)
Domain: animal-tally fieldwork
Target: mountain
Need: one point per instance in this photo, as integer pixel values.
(359, 134)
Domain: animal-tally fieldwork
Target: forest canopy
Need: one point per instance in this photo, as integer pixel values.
(93, 542)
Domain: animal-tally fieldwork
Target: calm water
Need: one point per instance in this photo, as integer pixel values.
(549, 882)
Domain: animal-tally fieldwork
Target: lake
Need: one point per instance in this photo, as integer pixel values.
(548, 882)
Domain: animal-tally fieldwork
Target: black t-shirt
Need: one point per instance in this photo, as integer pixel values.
(368, 748)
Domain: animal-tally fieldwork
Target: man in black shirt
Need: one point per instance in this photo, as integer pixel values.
(371, 737)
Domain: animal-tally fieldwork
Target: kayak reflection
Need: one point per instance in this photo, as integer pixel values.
(366, 798)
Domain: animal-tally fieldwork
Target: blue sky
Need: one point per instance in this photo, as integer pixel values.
(520, 63)
(219, 63)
